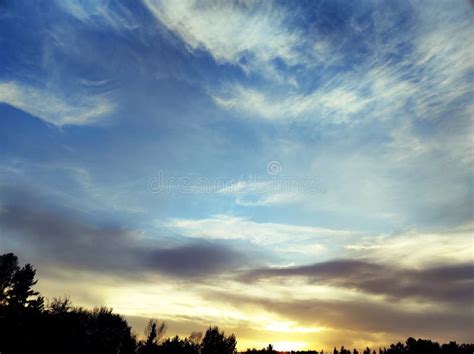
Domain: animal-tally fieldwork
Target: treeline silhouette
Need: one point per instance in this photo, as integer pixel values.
(411, 346)
(30, 326)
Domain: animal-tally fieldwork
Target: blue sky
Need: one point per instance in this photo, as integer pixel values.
(229, 137)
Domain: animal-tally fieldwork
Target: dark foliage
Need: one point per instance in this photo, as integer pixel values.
(16, 285)
(215, 342)
(28, 326)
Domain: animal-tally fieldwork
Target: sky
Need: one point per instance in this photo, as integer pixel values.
(298, 173)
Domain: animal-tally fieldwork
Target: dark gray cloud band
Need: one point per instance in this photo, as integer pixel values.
(445, 283)
(58, 237)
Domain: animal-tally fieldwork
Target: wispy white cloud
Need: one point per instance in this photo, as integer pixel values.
(246, 186)
(405, 144)
(449, 246)
(53, 107)
(422, 87)
(437, 73)
(238, 228)
(334, 105)
(100, 13)
(457, 146)
(248, 34)
(268, 191)
(422, 83)
(277, 198)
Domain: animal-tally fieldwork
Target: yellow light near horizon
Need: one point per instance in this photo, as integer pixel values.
(288, 346)
(289, 327)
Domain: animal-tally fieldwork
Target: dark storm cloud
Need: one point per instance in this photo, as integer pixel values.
(58, 237)
(446, 283)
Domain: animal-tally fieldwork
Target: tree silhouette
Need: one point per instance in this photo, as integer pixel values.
(76, 330)
(195, 338)
(177, 345)
(215, 342)
(16, 284)
(20, 306)
(154, 332)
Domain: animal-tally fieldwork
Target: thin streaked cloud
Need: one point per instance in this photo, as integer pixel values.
(233, 227)
(54, 108)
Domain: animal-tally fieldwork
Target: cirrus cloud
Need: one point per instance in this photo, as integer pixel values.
(53, 107)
